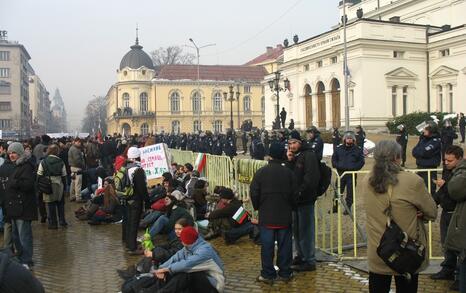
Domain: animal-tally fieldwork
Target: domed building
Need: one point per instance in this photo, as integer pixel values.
(181, 98)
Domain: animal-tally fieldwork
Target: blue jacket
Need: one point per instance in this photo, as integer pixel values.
(427, 152)
(189, 257)
(347, 158)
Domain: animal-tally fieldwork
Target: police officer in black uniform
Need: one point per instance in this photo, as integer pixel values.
(256, 148)
(229, 145)
(360, 137)
(402, 140)
(315, 142)
(336, 138)
(447, 136)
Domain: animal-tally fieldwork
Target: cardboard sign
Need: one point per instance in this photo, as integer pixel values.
(155, 162)
(99, 183)
(1, 134)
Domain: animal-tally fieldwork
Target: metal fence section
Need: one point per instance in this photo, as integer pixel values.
(219, 171)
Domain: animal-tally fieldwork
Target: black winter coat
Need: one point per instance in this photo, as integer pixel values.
(427, 152)
(273, 191)
(317, 146)
(227, 212)
(306, 170)
(16, 278)
(20, 196)
(5, 171)
(448, 135)
(347, 158)
(442, 197)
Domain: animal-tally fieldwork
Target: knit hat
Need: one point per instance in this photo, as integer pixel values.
(276, 151)
(133, 153)
(349, 134)
(294, 135)
(226, 193)
(16, 147)
(188, 235)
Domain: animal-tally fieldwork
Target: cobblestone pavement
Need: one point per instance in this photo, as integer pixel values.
(84, 259)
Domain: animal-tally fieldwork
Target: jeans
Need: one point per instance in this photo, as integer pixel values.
(462, 276)
(158, 226)
(86, 192)
(54, 208)
(22, 239)
(151, 218)
(237, 232)
(347, 181)
(304, 233)
(284, 252)
(381, 283)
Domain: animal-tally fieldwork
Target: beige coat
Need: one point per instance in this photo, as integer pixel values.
(409, 196)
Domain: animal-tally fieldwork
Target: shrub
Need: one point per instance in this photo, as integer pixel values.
(413, 119)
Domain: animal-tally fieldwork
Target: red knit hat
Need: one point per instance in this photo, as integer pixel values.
(188, 235)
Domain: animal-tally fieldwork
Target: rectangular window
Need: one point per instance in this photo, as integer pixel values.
(394, 97)
(5, 106)
(247, 88)
(351, 99)
(4, 55)
(320, 63)
(334, 59)
(5, 88)
(405, 100)
(306, 67)
(4, 72)
(444, 52)
(197, 126)
(398, 54)
(5, 123)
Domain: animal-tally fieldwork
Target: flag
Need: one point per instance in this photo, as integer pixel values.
(201, 162)
(240, 215)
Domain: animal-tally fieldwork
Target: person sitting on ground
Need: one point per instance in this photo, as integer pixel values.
(191, 183)
(199, 198)
(165, 223)
(221, 221)
(158, 255)
(196, 267)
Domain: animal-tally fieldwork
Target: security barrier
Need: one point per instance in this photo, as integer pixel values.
(335, 233)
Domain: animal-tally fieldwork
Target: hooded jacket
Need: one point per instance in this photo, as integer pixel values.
(456, 235)
(14, 278)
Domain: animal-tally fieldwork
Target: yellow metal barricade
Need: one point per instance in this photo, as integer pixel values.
(182, 157)
(219, 171)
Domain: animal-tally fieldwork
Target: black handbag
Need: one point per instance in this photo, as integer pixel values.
(400, 252)
(44, 183)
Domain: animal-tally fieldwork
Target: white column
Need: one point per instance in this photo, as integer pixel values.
(399, 100)
(328, 109)
(315, 113)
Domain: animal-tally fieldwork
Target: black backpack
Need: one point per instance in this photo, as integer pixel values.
(325, 178)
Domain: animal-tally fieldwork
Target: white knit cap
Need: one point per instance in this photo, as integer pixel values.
(133, 153)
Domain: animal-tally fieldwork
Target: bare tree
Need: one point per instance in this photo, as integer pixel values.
(96, 115)
(171, 55)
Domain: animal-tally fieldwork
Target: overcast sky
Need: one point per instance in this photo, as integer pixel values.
(77, 45)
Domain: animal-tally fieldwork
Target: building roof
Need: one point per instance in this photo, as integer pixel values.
(270, 54)
(136, 58)
(212, 72)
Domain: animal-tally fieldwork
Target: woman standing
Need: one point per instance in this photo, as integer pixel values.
(411, 204)
(54, 168)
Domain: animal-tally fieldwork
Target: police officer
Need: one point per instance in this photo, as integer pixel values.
(462, 125)
(229, 146)
(402, 140)
(256, 148)
(347, 157)
(447, 137)
(336, 138)
(217, 145)
(244, 140)
(315, 142)
(428, 154)
(360, 137)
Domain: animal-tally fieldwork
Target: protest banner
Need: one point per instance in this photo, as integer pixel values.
(155, 162)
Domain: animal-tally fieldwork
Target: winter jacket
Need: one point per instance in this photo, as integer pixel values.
(161, 253)
(174, 215)
(14, 278)
(227, 211)
(442, 197)
(20, 196)
(427, 152)
(408, 197)
(306, 170)
(347, 158)
(5, 171)
(200, 255)
(360, 138)
(273, 189)
(137, 178)
(456, 235)
(402, 139)
(447, 137)
(75, 157)
(316, 144)
(54, 168)
(92, 155)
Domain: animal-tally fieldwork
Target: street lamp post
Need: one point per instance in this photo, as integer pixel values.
(198, 77)
(345, 68)
(275, 87)
(231, 99)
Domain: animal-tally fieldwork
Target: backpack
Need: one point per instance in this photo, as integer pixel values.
(325, 178)
(123, 185)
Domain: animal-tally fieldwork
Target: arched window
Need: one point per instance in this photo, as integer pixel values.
(176, 126)
(144, 129)
(196, 102)
(143, 103)
(197, 126)
(125, 100)
(218, 126)
(394, 97)
(175, 102)
(263, 104)
(217, 102)
(247, 104)
(450, 97)
(440, 98)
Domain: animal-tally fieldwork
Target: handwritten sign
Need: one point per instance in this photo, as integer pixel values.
(154, 160)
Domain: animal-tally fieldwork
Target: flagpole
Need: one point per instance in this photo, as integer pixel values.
(345, 69)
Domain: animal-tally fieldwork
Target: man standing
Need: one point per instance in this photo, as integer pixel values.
(456, 235)
(453, 156)
(447, 136)
(402, 140)
(427, 154)
(315, 142)
(347, 157)
(306, 170)
(360, 137)
(283, 117)
(336, 138)
(76, 161)
(273, 189)
(462, 125)
(244, 140)
(257, 150)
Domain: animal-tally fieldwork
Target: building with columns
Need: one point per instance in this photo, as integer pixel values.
(403, 56)
(182, 98)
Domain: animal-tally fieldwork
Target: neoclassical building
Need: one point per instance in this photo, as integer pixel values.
(182, 98)
(403, 56)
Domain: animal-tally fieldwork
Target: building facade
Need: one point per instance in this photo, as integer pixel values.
(403, 56)
(174, 99)
(39, 103)
(15, 118)
(58, 113)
